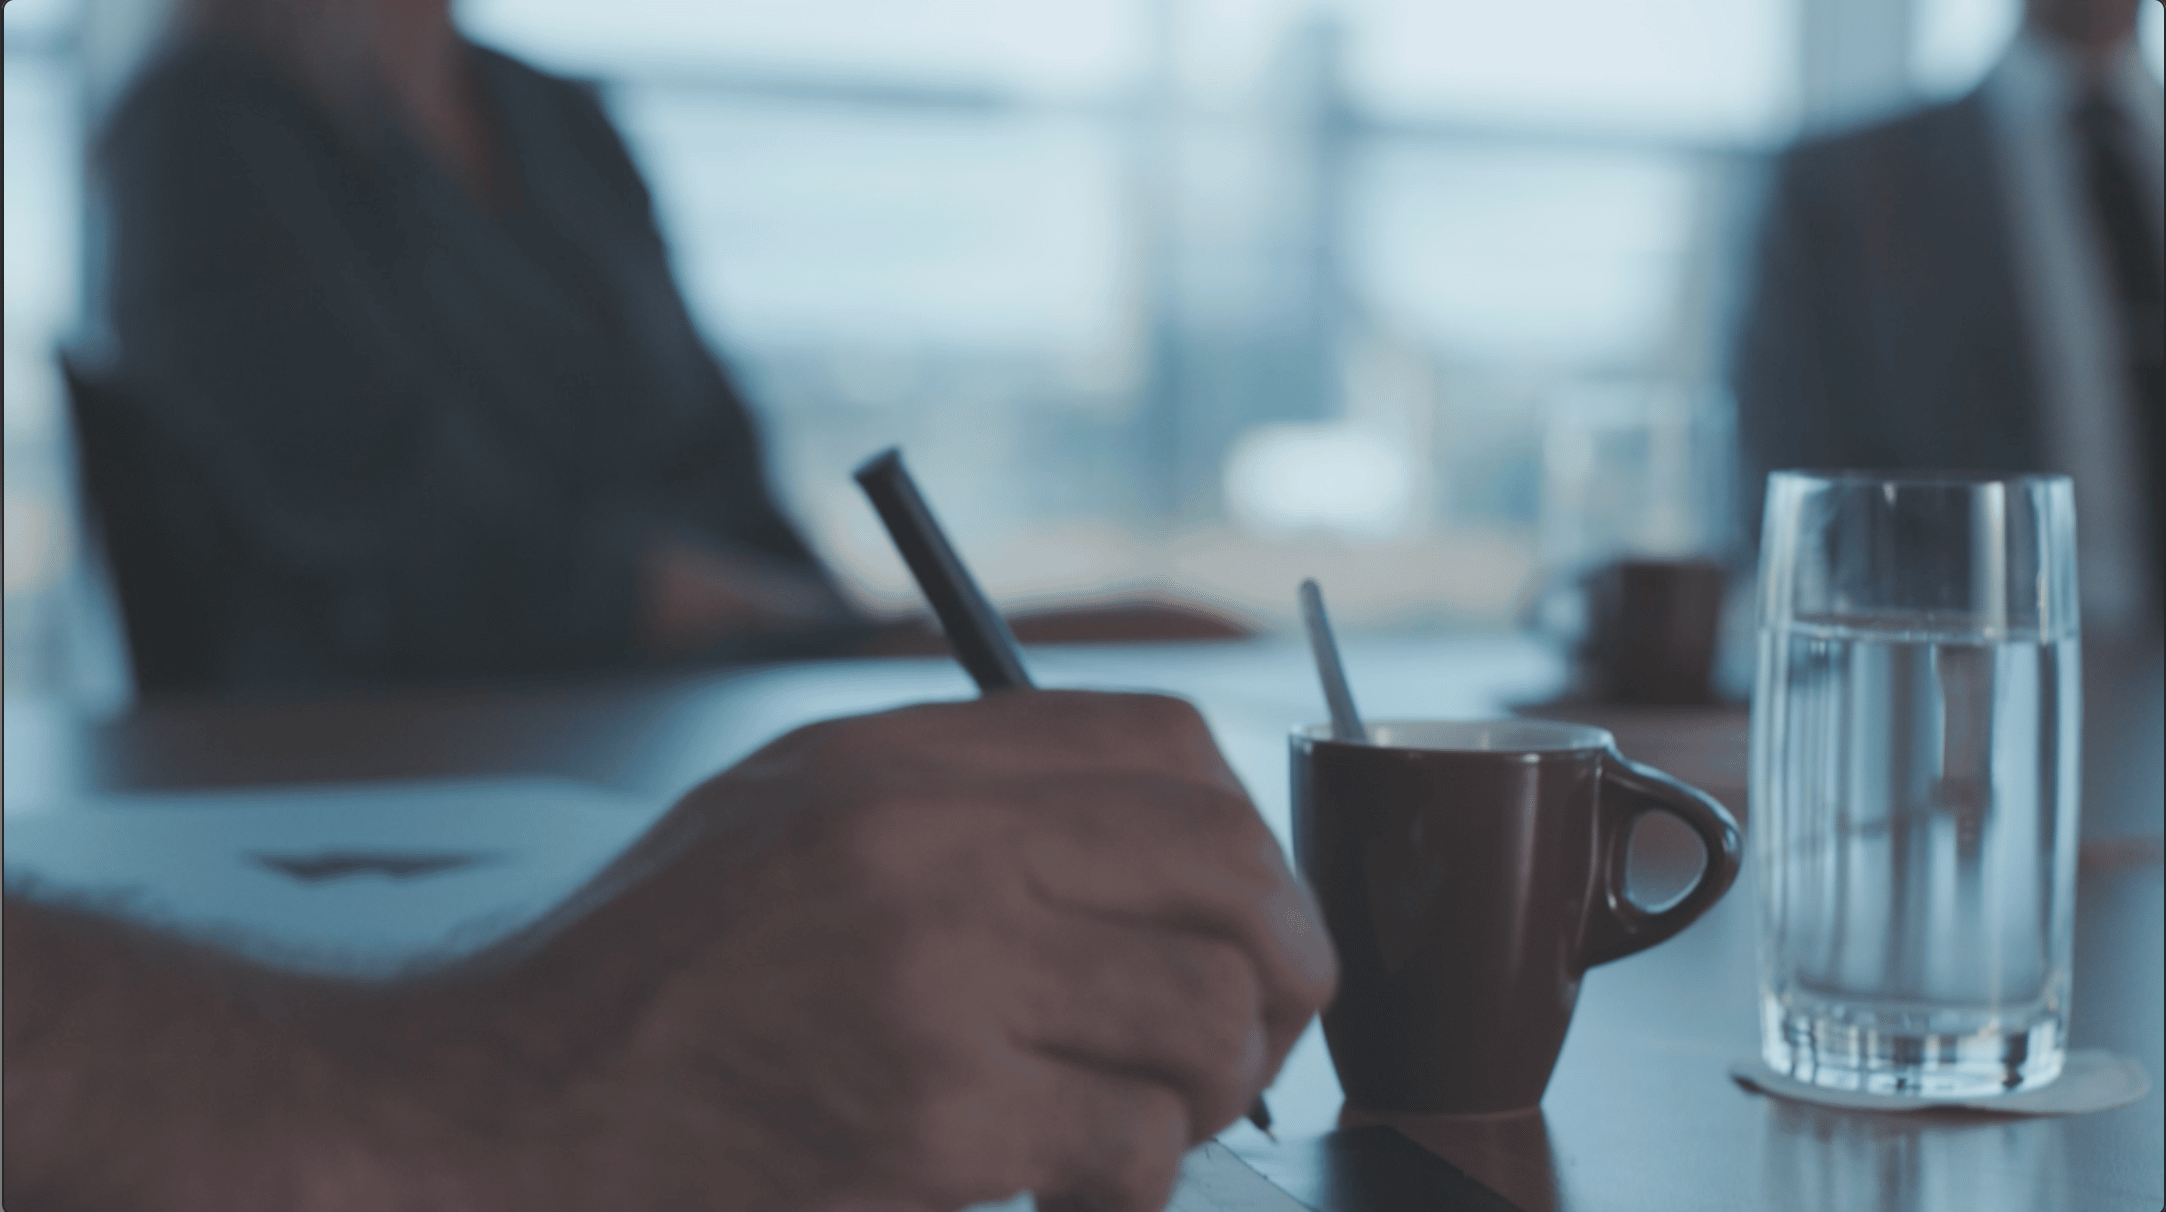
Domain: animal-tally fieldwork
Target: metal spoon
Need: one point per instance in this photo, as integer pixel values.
(1345, 721)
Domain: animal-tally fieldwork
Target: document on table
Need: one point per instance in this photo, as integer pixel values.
(1212, 1180)
(354, 878)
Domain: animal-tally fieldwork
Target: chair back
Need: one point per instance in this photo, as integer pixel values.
(156, 526)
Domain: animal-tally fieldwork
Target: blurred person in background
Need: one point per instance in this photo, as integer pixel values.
(397, 308)
(1978, 285)
(398, 305)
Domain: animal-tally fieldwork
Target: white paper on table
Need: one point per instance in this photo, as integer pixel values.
(352, 878)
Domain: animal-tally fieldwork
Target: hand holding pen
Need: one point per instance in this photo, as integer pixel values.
(976, 631)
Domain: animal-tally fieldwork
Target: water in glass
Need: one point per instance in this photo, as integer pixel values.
(1915, 794)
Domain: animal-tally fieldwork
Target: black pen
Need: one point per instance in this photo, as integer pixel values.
(983, 645)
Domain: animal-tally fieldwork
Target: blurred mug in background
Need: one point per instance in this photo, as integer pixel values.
(1642, 630)
(1635, 477)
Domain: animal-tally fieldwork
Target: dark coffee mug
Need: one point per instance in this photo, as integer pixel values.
(1470, 873)
(1652, 627)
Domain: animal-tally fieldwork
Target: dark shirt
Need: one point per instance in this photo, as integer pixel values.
(439, 433)
(1885, 329)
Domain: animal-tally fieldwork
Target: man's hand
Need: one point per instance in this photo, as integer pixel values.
(1040, 941)
(903, 962)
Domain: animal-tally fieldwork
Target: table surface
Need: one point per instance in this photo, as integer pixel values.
(1640, 1113)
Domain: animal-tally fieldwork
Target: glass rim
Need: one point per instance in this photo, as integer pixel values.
(1952, 477)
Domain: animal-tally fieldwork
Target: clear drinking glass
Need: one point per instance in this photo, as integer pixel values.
(1914, 779)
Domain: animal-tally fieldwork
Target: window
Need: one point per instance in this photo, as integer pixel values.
(1206, 293)
(43, 219)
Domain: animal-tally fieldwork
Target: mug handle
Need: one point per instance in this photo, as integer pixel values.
(1615, 926)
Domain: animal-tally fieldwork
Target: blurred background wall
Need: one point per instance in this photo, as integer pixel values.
(1424, 298)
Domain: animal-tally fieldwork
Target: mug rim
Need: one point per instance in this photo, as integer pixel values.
(1502, 736)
